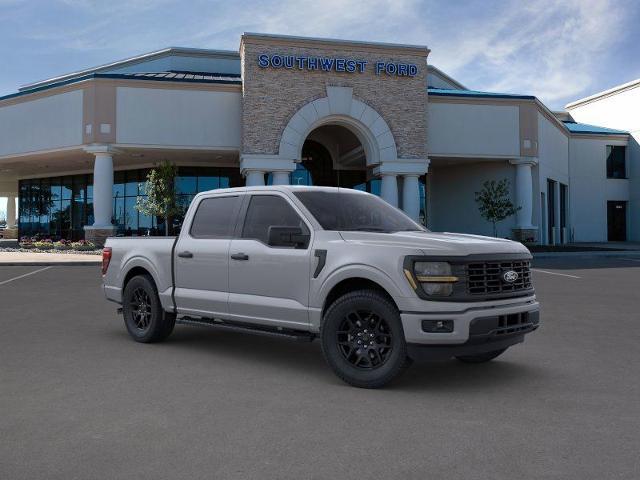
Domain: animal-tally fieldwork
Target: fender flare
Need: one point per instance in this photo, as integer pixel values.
(138, 262)
(347, 272)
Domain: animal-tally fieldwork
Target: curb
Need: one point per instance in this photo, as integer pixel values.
(617, 253)
(49, 264)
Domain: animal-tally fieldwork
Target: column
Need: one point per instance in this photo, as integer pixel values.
(102, 195)
(254, 165)
(103, 190)
(11, 212)
(280, 178)
(411, 196)
(525, 230)
(254, 178)
(389, 188)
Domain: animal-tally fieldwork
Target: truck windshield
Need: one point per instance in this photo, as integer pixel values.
(355, 212)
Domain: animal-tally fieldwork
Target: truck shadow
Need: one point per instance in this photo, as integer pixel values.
(296, 358)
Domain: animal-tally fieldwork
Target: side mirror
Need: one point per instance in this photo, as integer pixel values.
(281, 236)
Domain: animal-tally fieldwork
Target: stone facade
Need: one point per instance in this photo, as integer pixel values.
(272, 95)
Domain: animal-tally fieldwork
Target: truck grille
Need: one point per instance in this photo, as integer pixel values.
(486, 278)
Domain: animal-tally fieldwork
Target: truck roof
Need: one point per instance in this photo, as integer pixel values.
(284, 188)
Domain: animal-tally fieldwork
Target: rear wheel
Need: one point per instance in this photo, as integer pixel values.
(144, 317)
(481, 357)
(363, 340)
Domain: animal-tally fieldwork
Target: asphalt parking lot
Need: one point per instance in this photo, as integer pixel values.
(79, 399)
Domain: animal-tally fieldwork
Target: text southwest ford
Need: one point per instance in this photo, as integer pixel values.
(376, 288)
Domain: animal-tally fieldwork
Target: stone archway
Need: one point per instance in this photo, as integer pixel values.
(340, 108)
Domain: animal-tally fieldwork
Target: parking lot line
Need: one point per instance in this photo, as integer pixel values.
(555, 273)
(25, 275)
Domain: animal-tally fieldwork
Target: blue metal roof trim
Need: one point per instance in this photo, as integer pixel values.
(444, 92)
(226, 79)
(585, 128)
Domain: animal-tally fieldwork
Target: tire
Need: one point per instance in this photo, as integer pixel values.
(144, 317)
(481, 357)
(352, 318)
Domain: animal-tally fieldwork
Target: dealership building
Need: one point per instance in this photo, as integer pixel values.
(75, 150)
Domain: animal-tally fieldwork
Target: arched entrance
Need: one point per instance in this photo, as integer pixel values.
(339, 140)
(333, 156)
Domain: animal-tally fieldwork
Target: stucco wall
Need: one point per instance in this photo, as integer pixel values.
(590, 189)
(45, 123)
(620, 111)
(271, 96)
(471, 129)
(453, 207)
(191, 118)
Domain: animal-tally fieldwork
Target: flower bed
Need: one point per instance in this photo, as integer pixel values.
(47, 245)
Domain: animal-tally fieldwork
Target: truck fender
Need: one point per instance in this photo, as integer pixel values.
(141, 262)
(356, 271)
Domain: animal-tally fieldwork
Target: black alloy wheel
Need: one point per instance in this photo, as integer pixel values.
(364, 339)
(141, 309)
(144, 317)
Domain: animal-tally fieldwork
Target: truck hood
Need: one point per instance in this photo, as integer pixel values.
(451, 244)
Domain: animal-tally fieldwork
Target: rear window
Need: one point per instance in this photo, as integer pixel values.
(215, 217)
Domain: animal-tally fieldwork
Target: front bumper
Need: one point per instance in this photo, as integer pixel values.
(473, 323)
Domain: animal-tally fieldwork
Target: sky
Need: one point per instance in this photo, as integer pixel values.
(557, 50)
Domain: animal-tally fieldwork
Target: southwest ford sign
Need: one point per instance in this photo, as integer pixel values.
(333, 64)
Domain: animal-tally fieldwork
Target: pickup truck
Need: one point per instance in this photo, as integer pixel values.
(376, 288)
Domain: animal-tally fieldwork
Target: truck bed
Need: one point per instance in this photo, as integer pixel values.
(154, 254)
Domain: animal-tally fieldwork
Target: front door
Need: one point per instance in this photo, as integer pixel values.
(269, 285)
(202, 257)
(617, 221)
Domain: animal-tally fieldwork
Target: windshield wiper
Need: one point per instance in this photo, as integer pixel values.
(369, 229)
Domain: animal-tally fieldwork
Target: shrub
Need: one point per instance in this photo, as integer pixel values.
(62, 245)
(83, 245)
(43, 244)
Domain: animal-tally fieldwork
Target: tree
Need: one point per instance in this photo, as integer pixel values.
(494, 202)
(161, 199)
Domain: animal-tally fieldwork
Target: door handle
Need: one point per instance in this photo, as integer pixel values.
(240, 256)
(185, 255)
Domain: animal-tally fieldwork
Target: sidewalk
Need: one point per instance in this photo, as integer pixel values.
(602, 249)
(32, 258)
(635, 254)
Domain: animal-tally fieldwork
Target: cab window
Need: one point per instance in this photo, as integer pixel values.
(265, 211)
(215, 217)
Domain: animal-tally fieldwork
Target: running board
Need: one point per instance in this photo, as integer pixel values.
(245, 328)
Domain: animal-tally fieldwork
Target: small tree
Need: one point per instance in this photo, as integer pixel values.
(161, 199)
(494, 202)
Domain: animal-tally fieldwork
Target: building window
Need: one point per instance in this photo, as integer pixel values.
(60, 207)
(616, 161)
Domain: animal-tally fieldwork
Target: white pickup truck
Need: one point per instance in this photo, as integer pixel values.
(302, 262)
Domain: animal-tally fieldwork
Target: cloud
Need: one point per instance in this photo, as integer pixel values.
(557, 50)
(551, 49)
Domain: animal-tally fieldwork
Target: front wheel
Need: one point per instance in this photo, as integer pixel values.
(363, 340)
(481, 357)
(144, 317)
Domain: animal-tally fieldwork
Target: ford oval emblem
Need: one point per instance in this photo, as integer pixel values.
(510, 276)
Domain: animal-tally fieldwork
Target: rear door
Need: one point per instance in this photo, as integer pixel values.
(269, 285)
(202, 257)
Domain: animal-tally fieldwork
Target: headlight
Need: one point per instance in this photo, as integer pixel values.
(435, 278)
